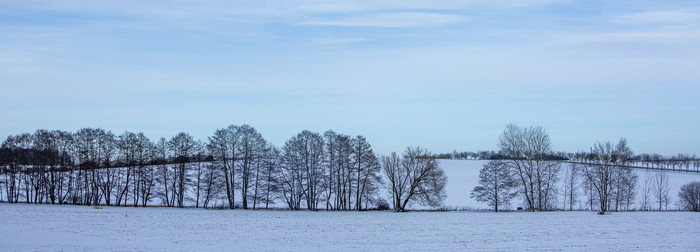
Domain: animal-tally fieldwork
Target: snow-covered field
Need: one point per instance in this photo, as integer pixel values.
(81, 228)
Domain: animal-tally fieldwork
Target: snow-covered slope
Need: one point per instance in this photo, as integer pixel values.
(462, 177)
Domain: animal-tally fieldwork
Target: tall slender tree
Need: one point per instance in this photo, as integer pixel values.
(182, 147)
(251, 148)
(661, 189)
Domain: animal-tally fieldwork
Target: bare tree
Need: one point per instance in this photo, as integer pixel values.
(35, 173)
(571, 185)
(213, 183)
(127, 148)
(367, 170)
(95, 150)
(605, 171)
(398, 178)
(291, 179)
(303, 156)
(497, 184)
(200, 159)
(647, 188)
(689, 196)
(624, 177)
(601, 174)
(661, 189)
(340, 168)
(12, 159)
(251, 148)
(218, 148)
(106, 178)
(52, 165)
(182, 147)
(528, 149)
(164, 172)
(416, 177)
(331, 192)
(629, 181)
(223, 145)
(268, 182)
(146, 180)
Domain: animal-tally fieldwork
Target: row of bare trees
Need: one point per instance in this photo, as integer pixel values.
(605, 175)
(607, 178)
(529, 171)
(93, 166)
(655, 161)
(235, 167)
(334, 170)
(679, 162)
(611, 184)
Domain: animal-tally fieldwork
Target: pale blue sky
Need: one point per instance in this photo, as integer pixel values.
(441, 74)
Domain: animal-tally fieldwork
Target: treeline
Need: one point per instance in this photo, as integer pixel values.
(235, 167)
(493, 155)
(678, 162)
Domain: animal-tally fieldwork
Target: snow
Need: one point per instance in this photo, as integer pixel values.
(462, 177)
(82, 228)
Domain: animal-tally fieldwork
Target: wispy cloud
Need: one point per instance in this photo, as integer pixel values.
(16, 62)
(340, 41)
(326, 6)
(267, 8)
(653, 17)
(665, 37)
(391, 20)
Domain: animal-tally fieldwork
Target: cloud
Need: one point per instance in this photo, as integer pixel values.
(654, 17)
(340, 41)
(19, 62)
(331, 6)
(391, 20)
(265, 8)
(664, 37)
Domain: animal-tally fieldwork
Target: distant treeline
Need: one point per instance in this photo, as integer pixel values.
(679, 162)
(492, 155)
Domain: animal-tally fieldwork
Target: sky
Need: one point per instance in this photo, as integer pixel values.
(443, 74)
